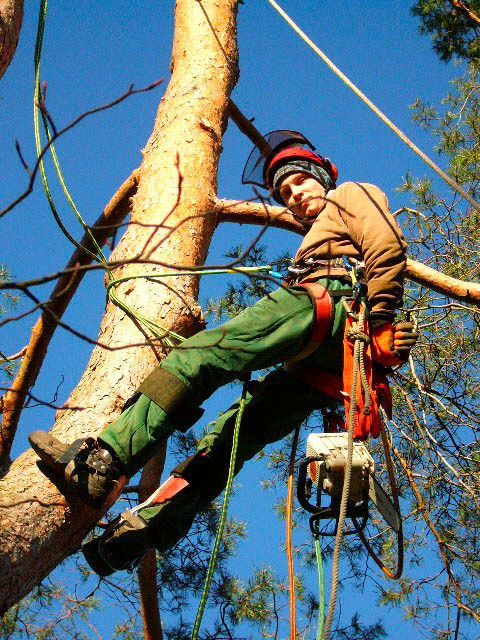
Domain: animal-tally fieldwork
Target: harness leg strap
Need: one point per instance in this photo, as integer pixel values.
(322, 317)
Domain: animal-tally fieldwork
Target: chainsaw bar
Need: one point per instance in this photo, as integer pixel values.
(384, 504)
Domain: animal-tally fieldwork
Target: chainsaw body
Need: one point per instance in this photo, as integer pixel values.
(321, 476)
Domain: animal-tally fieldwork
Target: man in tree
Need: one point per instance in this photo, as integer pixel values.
(304, 321)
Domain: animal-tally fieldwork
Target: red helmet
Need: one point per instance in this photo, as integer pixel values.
(282, 147)
(289, 155)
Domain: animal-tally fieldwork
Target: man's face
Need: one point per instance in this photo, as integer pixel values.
(302, 194)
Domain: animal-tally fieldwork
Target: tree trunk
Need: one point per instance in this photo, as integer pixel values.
(177, 190)
(11, 16)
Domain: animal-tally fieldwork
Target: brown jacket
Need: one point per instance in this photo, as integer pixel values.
(355, 221)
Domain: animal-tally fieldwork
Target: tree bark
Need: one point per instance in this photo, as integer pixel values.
(11, 16)
(39, 527)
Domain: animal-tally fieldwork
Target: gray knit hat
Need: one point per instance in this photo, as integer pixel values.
(300, 166)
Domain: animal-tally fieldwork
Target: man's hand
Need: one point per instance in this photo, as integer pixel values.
(404, 338)
(391, 344)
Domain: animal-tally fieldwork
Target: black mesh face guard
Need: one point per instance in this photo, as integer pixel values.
(275, 141)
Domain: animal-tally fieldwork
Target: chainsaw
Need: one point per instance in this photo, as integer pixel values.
(321, 477)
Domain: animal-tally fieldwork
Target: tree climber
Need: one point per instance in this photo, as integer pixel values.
(343, 225)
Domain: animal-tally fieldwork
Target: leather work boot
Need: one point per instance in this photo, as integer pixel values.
(88, 469)
(121, 546)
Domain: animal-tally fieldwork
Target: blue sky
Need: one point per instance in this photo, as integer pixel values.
(94, 51)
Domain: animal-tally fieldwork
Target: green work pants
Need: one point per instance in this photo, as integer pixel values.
(272, 331)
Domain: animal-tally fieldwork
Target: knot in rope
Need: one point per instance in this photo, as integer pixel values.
(354, 334)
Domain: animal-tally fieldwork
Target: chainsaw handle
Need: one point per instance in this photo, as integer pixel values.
(301, 497)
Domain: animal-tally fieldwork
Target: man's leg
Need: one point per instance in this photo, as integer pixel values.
(278, 405)
(271, 331)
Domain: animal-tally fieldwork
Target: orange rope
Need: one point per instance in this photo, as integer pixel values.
(289, 527)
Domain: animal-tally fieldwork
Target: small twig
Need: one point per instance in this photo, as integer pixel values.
(130, 92)
(22, 159)
(16, 356)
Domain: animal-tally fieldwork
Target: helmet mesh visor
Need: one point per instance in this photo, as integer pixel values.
(253, 173)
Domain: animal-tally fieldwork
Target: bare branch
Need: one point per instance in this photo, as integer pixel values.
(33, 173)
(464, 9)
(441, 543)
(44, 328)
(279, 217)
(15, 356)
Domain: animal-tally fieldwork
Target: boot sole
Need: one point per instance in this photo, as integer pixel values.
(49, 450)
(91, 554)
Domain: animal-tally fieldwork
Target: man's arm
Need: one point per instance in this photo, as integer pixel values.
(373, 230)
(380, 241)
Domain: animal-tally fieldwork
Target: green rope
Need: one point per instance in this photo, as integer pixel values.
(321, 588)
(168, 338)
(38, 146)
(223, 517)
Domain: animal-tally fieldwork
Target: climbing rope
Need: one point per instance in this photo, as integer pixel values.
(37, 99)
(321, 588)
(289, 529)
(358, 350)
(450, 181)
(223, 517)
(168, 338)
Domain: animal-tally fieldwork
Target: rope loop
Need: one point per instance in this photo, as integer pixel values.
(354, 334)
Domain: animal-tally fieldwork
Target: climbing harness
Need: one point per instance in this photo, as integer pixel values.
(301, 269)
(337, 465)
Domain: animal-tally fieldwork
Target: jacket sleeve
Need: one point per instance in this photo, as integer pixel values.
(374, 232)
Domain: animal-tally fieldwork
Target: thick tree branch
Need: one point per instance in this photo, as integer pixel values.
(244, 212)
(11, 17)
(279, 217)
(45, 327)
(147, 571)
(247, 127)
(465, 10)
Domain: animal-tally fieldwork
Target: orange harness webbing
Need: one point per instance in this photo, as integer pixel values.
(367, 419)
(322, 317)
